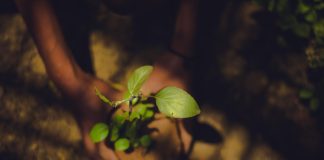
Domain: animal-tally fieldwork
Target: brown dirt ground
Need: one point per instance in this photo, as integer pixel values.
(34, 123)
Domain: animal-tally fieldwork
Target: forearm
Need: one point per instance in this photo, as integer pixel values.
(43, 24)
(185, 28)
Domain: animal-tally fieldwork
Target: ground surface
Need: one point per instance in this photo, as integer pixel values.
(249, 97)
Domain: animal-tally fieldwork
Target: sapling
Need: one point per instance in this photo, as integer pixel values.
(126, 130)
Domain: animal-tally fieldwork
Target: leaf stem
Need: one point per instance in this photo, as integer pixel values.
(117, 103)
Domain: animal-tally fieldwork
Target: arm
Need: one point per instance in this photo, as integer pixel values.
(169, 68)
(76, 85)
(43, 24)
(185, 28)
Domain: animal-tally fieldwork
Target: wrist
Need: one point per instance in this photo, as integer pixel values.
(170, 61)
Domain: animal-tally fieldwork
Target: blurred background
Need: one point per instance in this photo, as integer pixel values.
(257, 74)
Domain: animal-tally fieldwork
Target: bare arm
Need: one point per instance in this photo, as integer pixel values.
(185, 28)
(43, 24)
(76, 85)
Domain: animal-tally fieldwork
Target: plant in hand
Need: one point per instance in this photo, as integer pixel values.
(127, 129)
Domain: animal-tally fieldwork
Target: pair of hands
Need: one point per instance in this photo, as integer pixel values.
(78, 86)
(168, 71)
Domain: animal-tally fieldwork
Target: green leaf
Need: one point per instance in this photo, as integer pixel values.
(314, 103)
(127, 96)
(145, 141)
(138, 78)
(177, 103)
(99, 132)
(131, 130)
(282, 5)
(302, 30)
(125, 115)
(302, 7)
(319, 6)
(143, 109)
(119, 120)
(311, 16)
(319, 28)
(134, 115)
(305, 94)
(140, 109)
(122, 144)
(102, 97)
(114, 133)
(148, 114)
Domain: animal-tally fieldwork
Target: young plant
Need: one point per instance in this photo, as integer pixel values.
(126, 129)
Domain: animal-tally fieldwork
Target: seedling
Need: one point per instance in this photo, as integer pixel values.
(126, 130)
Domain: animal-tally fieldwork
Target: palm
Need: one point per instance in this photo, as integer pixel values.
(90, 110)
(168, 71)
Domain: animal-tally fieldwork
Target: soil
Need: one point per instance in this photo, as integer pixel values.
(247, 90)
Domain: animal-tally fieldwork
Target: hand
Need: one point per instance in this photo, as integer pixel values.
(169, 70)
(89, 110)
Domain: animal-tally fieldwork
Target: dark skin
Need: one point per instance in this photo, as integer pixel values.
(78, 86)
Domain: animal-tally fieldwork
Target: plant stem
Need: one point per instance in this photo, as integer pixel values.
(130, 106)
